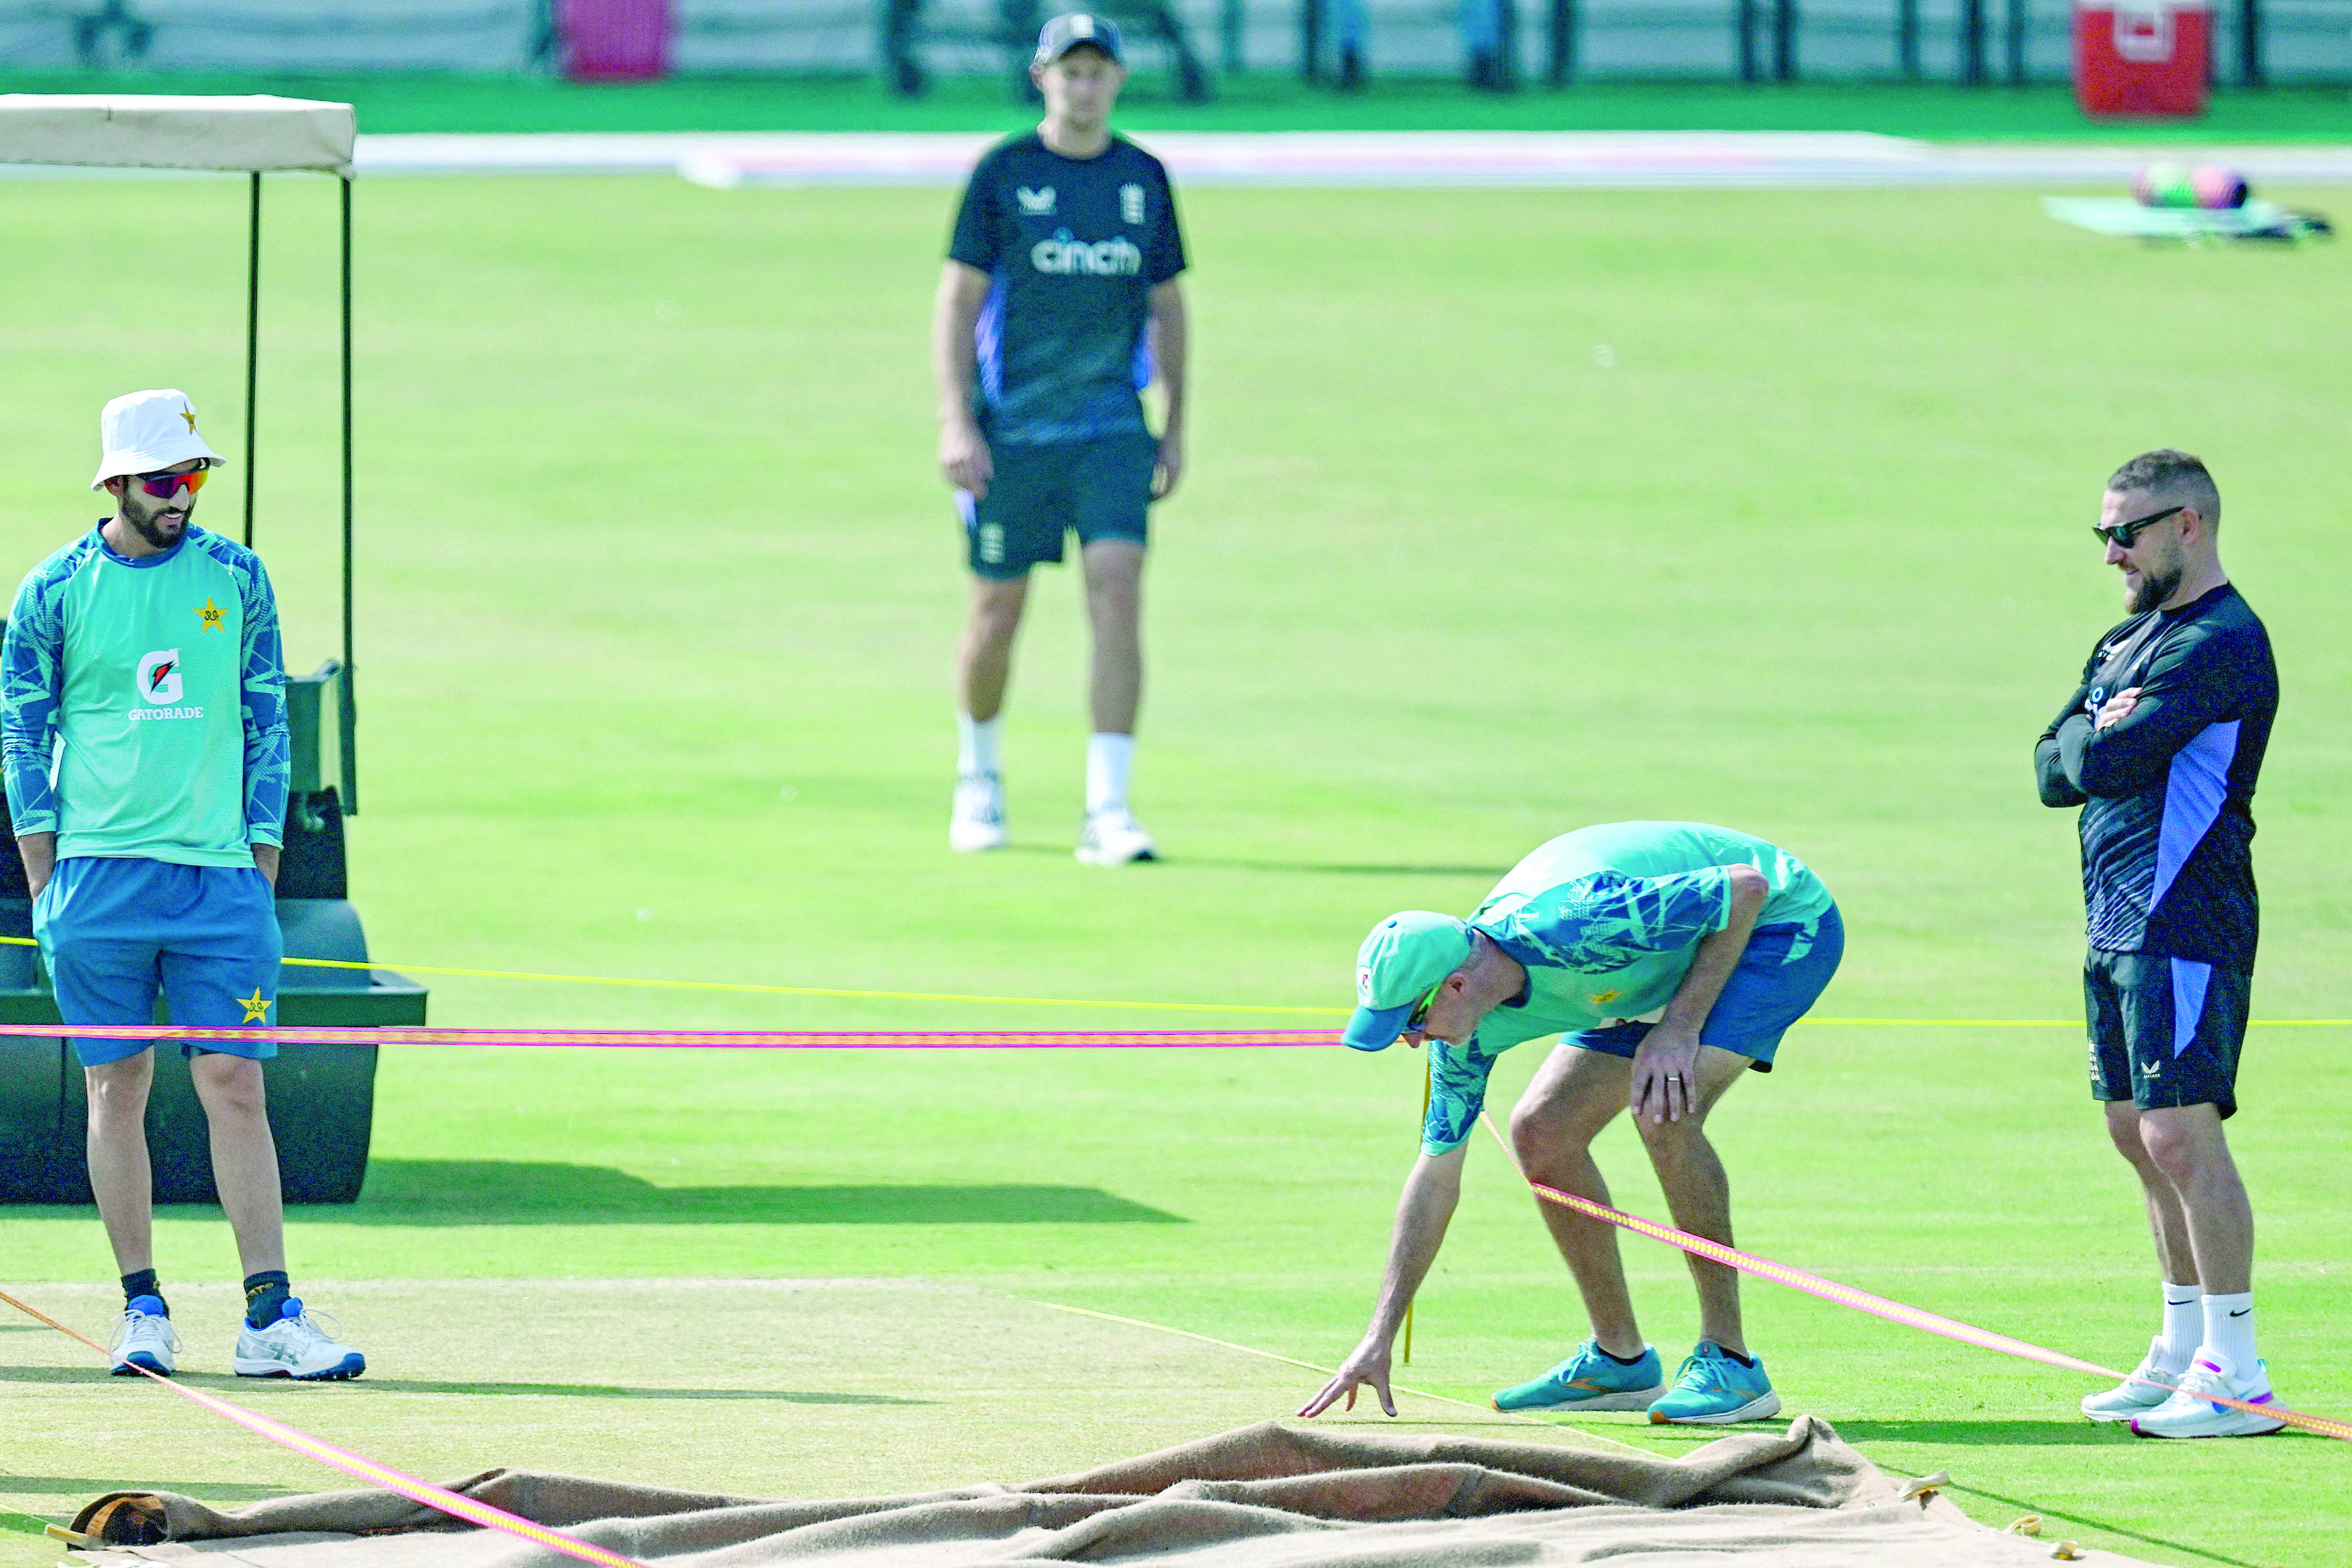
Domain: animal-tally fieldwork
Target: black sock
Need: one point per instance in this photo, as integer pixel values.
(1620, 1360)
(142, 1282)
(1742, 1360)
(265, 1297)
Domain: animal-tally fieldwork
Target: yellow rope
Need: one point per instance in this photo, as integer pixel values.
(777, 990)
(1083, 1002)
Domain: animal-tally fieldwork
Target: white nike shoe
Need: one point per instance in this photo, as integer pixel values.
(2189, 1414)
(144, 1339)
(2131, 1396)
(1114, 837)
(300, 1344)
(976, 820)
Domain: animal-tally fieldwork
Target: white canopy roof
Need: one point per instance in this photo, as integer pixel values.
(156, 132)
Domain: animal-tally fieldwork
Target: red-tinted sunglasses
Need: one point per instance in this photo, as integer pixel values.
(165, 486)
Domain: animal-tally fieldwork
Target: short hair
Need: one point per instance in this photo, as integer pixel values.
(2172, 475)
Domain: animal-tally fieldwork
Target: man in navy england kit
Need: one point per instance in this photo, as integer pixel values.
(1058, 299)
(2159, 745)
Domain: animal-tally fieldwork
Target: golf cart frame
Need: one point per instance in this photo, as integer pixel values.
(322, 1098)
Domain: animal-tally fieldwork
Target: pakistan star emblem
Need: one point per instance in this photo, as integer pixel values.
(1609, 995)
(257, 1008)
(188, 413)
(211, 615)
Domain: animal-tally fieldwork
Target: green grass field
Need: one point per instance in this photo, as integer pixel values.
(658, 591)
(1272, 101)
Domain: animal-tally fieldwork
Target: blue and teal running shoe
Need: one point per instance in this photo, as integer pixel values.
(1711, 1389)
(1590, 1380)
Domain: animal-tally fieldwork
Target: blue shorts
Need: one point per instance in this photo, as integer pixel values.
(114, 931)
(1782, 975)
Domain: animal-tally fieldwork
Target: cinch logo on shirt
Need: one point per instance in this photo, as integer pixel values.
(1062, 256)
(1034, 204)
(159, 685)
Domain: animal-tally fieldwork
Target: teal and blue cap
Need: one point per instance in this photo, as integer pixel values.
(1067, 32)
(1403, 959)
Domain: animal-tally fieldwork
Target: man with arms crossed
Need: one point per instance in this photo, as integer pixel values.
(1065, 253)
(2160, 746)
(1672, 955)
(142, 724)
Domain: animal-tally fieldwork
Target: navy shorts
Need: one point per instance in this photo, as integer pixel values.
(1101, 486)
(1781, 974)
(116, 931)
(2165, 1031)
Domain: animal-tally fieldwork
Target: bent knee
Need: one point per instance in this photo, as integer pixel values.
(1673, 1138)
(1545, 1142)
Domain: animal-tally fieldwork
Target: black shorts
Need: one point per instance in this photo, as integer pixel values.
(1100, 486)
(2165, 1031)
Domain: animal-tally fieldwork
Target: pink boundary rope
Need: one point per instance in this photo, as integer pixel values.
(719, 1039)
(473, 1511)
(1878, 1306)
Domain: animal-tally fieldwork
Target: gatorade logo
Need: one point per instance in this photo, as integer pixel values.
(159, 676)
(159, 687)
(1062, 256)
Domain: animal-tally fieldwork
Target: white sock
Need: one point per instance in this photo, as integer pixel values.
(1109, 758)
(2184, 1326)
(2229, 1328)
(978, 743)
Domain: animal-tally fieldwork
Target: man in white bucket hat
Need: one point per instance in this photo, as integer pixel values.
(142, 732)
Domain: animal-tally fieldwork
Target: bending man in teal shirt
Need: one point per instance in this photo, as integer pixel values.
(1672, 956)
(142, 724)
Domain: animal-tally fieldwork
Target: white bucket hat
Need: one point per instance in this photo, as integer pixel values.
(144, 431)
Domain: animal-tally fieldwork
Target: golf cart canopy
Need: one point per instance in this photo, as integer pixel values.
(244, 135)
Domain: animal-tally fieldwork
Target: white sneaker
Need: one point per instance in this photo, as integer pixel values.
(2133, 1397)
(1114, 838)
(976, 821)
(2188, 1414)
(144, 1339)
(300, 1344)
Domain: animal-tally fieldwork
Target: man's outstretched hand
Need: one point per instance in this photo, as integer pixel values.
(1368, 1363)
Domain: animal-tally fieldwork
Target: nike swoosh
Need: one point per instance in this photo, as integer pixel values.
(2241, 1314)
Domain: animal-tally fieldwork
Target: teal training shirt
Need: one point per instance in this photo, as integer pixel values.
(1607, 919)
(142, 703)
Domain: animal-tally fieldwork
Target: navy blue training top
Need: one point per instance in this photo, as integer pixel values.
(2167, 794)
(1072, 249)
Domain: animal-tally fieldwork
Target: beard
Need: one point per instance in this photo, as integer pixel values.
(144, 521)
(2155, 587)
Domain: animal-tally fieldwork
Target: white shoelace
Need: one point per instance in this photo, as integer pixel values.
(308, 1330)
(133, 1325)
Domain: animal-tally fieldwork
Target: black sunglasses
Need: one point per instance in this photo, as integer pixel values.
(2124, 535)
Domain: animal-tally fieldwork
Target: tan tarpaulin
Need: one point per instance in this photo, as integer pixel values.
(1264, 1496)
(247, 134)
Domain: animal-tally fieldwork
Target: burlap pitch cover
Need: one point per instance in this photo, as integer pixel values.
(1268, 1496)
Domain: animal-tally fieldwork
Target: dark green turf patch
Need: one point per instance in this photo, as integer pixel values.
(510, 1191)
